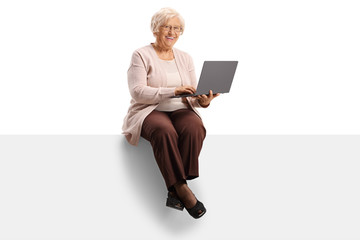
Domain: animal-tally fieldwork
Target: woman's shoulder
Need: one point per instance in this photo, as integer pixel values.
(143, 54)
(145, 50)
(148, 49)
(181, 52)
(182, 55)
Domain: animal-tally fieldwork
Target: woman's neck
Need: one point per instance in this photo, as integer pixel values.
(163, 53)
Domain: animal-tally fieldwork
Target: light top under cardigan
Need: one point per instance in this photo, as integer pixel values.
(147, 84)
(173, 80)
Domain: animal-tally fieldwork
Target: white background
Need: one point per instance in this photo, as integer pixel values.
(63, 64)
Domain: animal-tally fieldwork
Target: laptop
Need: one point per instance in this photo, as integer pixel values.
(216, 76)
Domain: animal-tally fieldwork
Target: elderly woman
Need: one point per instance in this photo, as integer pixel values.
(173, 126)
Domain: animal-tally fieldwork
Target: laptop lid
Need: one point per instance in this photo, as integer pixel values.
(216, 76)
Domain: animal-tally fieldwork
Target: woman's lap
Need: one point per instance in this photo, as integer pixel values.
(177, 122)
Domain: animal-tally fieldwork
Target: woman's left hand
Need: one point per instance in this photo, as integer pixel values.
(204, 100)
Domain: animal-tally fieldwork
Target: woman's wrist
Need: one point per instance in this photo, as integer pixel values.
(204, 105)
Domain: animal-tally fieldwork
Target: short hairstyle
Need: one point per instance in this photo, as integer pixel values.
(162, 16)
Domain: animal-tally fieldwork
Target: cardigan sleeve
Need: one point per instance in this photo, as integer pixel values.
(138, 87)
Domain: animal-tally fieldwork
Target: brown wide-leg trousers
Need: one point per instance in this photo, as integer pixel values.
(176, 138)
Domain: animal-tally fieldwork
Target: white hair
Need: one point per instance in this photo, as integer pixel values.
(162, 16)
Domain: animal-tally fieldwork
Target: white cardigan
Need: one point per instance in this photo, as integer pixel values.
(147, 85)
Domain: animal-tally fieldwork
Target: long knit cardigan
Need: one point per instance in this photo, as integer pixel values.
(147, 85)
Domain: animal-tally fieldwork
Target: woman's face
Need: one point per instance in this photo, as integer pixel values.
(168, 36)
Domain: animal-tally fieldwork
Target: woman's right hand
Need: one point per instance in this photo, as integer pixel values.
(185, 90)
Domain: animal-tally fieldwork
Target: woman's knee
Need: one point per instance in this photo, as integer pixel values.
(195, 129)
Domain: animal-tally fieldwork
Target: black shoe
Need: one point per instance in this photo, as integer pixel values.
(173, 202)
(194, 211)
